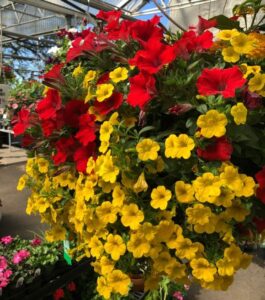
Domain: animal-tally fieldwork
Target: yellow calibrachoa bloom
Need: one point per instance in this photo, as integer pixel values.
(184, 192)
(96, 246)
(106, 212)
(247, 70)
(131, 216)
(257, 83)
(147, 149)
(225, 267)
(185, 249)
(119, 282)
(179, 146)
(138, 245)
(108, 171)
(104, 91)
(160, 197)
(119, 74)
(78, 71)
(118, 196)
(226, 35)
(163, 260)
(115, 246)
(242, 43)
(90, 76)
(103, 287)
(202, 269)
(105, 131)
(248, 188)
(141, 184)
(198, 214)
(212, 124)
(230, 55)
(43, 164)
(239, 112)
(106, 265)
(231, 178)
(22, 182)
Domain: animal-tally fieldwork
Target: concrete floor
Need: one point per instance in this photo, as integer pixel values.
(248, 284)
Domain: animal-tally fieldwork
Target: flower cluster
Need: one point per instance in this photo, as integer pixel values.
(145, 149)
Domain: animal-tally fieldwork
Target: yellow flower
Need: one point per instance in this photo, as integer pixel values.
(202, 269)
(115, 246)
(90, 165)
(248, 188)
(119, 282)
(104, 146)
(225, 267)
(242, 43)
(96, 247)
(118, 196)
(106, 212)
(138, 246)
(22, 182)
(230, 55)
(237, 211)
(185, 249)
(119, 74)
(78, 71)
(147, 230)
(184, 192)
(108, 171)
(90, 75)
(212, 124)
(141, 184)
(231, 178)
(104, 91)
(226, 35)
(160, 197)
(131, 216)
(198, 214)
(42, 204)
(247, 70)
(175, 270)
(43, 164)
(225, 198)
(179, 146)
(256, 83)
(57, 233)
(163, 261)
(103, 287)
(114, 118)
(239, 112)
(105, 131)
(147, 149)
(106, 265)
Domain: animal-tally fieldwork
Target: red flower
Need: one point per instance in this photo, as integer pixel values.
(154, 56)
(205, 24)
(48, 126)
(260, 224)
(27, 140)
(260, 177)
(58, 294)
(72, 112)
(260, 193)
(23, 121)
(143, 31)
(110, 104)
(48, 106)
(54, 75)
(82, 155)
(180, 109)
(65, 148)
(142, 90)
(123, 32)
(71, 286)
(196, 43)
(220, 149)
(111, 17)
(86, 133)
(220, 81)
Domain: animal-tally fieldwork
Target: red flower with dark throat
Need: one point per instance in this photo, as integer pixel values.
(48, 106)
(111, 17)
(22, 121)
(86, 133)
(260, 192)
(220, 81)
(110, 104)
(220, 149)
(65, 148)
(82, 155)
(142, 90)
(72, 112)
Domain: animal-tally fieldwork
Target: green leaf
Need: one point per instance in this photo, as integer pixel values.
(225, 23)
(145, 129)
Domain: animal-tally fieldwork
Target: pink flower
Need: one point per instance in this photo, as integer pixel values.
(3, 263)
(20, 255)
(178, 295)
(36, 242)
(6, 240)
(4, 278)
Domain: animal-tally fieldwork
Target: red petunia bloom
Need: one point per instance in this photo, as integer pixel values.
(82, 155)
(27, 140)
(58, 294)
(205, 24)
(142, 90)
(220, 81)
(23, 121)
(260, 224)
(65, 148)
(220, 149)
(260, 193)
(73, 110)
(54, 76)
(194, 42)
(86, 133)
(110, 104)
(123, 32)
(111, 17)
(48, 106)
(71, 286)
(260, 177)
(154, 56)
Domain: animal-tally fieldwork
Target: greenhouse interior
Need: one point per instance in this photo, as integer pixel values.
(132, 149)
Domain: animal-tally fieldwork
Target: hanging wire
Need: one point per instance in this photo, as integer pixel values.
(224, 6)
(210, 8)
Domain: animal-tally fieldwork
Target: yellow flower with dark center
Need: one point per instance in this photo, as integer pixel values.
(57, 233)
(225, 267)
(202, 269)
(104, 146)
(231, 178)
(22, 182)
(198, 214)
(90, 76)
(119, 282)
(147, 149)
(78, 71)
(225, 198)
(247, 70)
(230, 55)
(160, 197)
(237, 211)
(248, 188)
(185, 249)
(118, 196)
(42, 204)
(242, 43)
(106, 212)
(226, 35)
(147, 230)
(131, 216)
(96, 247)
(257, 83)
(104, 91)
(138, 246)
(103, 288)
(239, 112)
(119, 74)
(115, 246)
(179, 146)
(184, 192)
(106, 265)
(176, 270)
(105, 131)
(163, 261)
(212, 124)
